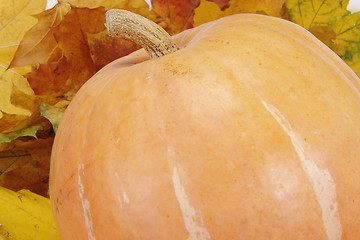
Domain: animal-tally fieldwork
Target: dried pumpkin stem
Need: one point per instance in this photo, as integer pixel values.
(153, 38)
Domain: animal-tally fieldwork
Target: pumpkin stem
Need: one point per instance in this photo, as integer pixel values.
(153, 38)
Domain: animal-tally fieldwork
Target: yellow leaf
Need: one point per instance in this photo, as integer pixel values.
(329, 21)
(38, 44)
(124, 4)
(209, 11)
(8, 80)
(347, 41)
(310, 13)
(15, 20)
(26, 216)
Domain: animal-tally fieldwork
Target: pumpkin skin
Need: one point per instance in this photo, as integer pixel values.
(250, 131)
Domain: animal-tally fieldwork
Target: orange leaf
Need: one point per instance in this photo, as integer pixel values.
(50, 78)
(71, 64)
(105, 49)
(39, 43)
(175, 16)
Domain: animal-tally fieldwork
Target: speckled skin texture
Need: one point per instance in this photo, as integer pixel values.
(250, 131)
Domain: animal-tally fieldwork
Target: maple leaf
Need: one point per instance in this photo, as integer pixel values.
(80, 51)
(72, 66)
(38, 44)
(347, 40)
(335, 26)
(310, 13)
(14, 22)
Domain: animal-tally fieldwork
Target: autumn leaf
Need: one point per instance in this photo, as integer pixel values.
(329, 21)
(139, 6)
(72, 65)
(39, 44)
(25, 216)
(209, 11)
(29, 131)
(310, 13)
(175, 16)
(14, 22)
(347, 41)
(24, 163)
(8, 80)
(54, 113)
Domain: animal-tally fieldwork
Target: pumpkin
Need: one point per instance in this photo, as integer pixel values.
(247, 127)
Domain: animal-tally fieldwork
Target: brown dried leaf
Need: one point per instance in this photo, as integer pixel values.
(26, 165)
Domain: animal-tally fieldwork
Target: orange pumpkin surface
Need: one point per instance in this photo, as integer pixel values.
(251, 130)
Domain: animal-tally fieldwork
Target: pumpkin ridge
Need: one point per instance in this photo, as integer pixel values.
(321, 180)
(88, 221)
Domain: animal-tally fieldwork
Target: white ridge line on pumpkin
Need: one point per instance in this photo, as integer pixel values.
(86, 206)
(196, 231)
(321, 180)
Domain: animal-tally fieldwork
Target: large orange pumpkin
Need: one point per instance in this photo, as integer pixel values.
(251, 130)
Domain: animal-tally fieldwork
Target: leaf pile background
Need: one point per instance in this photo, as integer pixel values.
(47, 55)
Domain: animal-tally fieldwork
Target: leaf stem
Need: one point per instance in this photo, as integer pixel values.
(153, 38)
